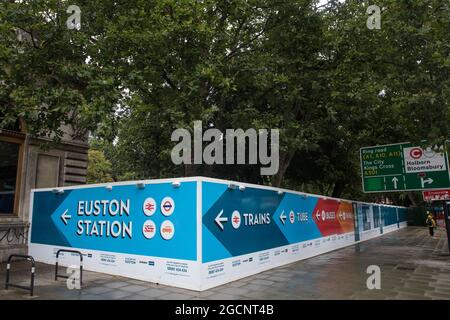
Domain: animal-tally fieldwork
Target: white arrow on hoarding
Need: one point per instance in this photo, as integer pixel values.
(219, 219)
(395, 181)
(283, 217)
(318, 215)
(427, 181)
(65, 217)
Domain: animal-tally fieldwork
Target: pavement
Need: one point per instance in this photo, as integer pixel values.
(413, 266)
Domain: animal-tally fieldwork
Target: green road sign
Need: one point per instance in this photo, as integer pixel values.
(403, 166)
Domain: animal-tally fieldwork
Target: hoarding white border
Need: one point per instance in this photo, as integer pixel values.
(121, 183)
(251, 185)
(199, 234)
(30, 218)
(207, 179)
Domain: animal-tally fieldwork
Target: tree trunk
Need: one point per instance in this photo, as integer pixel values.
(411, 198)
(189, 170)
(285, 161)
(338, 188)
(208, 171)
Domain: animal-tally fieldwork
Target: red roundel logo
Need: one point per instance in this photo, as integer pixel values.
(167, 206)
(149, 206)
(416, 153)
(149, 229)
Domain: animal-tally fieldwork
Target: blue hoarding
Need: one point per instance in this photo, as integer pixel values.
(116, 220)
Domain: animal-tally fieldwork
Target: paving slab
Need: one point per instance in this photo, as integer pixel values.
(134, 288)
(154, 292)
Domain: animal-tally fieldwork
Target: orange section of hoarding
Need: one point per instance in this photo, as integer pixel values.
(345, 217)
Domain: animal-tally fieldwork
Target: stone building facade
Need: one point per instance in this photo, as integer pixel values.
(27, 163)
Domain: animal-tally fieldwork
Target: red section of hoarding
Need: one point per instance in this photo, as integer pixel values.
(325, 216)
(431, 195)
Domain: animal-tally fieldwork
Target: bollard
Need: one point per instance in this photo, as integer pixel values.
(8, 270)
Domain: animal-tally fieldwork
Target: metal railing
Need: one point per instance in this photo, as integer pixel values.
(8, 268)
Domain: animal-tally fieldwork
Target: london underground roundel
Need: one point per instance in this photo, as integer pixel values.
(167, 230)
(149, 207)
(167, 206)
(292, 216)
(149, 229)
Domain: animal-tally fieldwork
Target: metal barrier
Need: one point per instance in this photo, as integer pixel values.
(64, 276)
(33, 269)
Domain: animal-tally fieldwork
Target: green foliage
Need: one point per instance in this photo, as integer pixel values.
(45, 78)
(138, 69)
(99, 168)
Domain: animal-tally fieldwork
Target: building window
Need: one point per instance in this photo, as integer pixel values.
(9, 163)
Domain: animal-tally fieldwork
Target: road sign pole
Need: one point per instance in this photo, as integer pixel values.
(447, 221)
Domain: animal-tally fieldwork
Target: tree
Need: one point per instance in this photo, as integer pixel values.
(137, 70)
(387, 85)
(51, 75)
(99, 168)
(328, 82)
(241, 64)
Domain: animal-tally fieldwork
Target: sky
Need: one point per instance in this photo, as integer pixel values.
(321, 2)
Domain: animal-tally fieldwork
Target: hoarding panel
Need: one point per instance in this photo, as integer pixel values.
(116, 221)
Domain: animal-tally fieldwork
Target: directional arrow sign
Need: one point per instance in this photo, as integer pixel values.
(426, 181)
(395, 181)
(327, 225)
(283, 217)
(219, 219)
(247, 238)
(318, 215)
(65, 217)
(404, 166)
